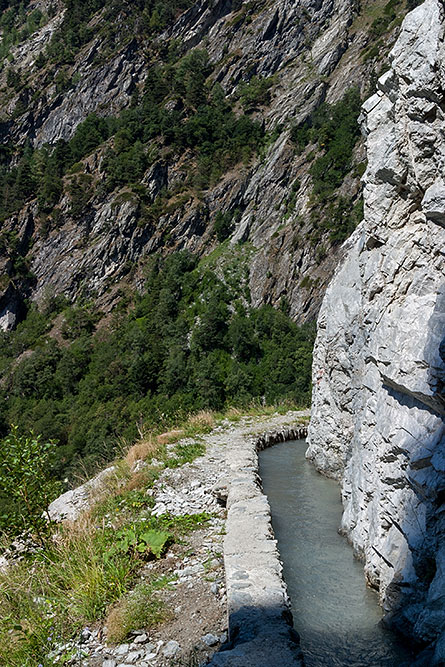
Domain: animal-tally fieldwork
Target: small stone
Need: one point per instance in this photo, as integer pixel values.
(85, 635)
(109, 663)
(141, 639)
(191, 569)
(214, 588)
(210, 640)
(150, 656)
(122, 649)
(133, 656)
(223, 638)
(171, 649)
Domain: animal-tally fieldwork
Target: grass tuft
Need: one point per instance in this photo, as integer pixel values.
(141, 608)
(143, 450)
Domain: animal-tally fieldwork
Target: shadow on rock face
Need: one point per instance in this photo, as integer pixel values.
(417, 592)
(435, 351)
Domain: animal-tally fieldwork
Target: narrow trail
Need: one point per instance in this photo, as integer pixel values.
(228, 602)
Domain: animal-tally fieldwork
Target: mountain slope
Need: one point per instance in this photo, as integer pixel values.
(79, 220)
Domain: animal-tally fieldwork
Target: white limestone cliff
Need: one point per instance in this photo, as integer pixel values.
(378, 404)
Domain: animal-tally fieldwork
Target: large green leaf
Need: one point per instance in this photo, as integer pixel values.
(155, 540)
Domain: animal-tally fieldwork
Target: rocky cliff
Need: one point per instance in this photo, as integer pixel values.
(303, 53)
(378, 403)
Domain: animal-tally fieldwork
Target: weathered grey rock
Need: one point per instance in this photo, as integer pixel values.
(150, 655)
(171, 649)
(72, 503)
(433, 203)
(133, 656)
(210, 640)
(439, 653)
(378, 406)
(85, 634)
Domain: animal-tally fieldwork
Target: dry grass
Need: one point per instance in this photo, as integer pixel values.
(146, 448)
(137, 481)
(170, 436)
(202, 420)
(71, 583)
(233, 414)
(142, 608)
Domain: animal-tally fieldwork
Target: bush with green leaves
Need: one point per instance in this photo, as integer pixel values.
(136, 539)
(256, 92)
(27, 486)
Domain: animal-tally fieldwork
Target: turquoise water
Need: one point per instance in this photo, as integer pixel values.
(335, 613)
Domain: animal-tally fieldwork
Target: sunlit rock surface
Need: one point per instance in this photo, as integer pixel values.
(378, 404)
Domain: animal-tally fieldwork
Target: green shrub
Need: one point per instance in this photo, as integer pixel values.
(137, 540)
(26, 484)
(186, 454)
(142, 608)
(255, 92)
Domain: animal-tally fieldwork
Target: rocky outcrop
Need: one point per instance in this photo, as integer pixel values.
(70, 505)
(379, 370)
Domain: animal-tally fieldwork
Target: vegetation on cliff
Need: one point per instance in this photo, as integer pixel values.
(190, 342)
(201, 121)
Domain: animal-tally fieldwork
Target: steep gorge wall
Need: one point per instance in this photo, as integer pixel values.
(314, 50)
(379, 369)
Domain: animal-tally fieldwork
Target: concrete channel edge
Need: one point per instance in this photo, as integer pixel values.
(259, 616)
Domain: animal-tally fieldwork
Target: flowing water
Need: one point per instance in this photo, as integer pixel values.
(335, 613)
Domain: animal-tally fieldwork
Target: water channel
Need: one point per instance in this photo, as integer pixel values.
(336, 615)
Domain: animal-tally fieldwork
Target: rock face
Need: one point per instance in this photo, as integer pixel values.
(312, 51)
(379, 370)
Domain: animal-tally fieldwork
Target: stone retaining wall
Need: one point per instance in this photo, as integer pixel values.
(259, 617)
(273, 438)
